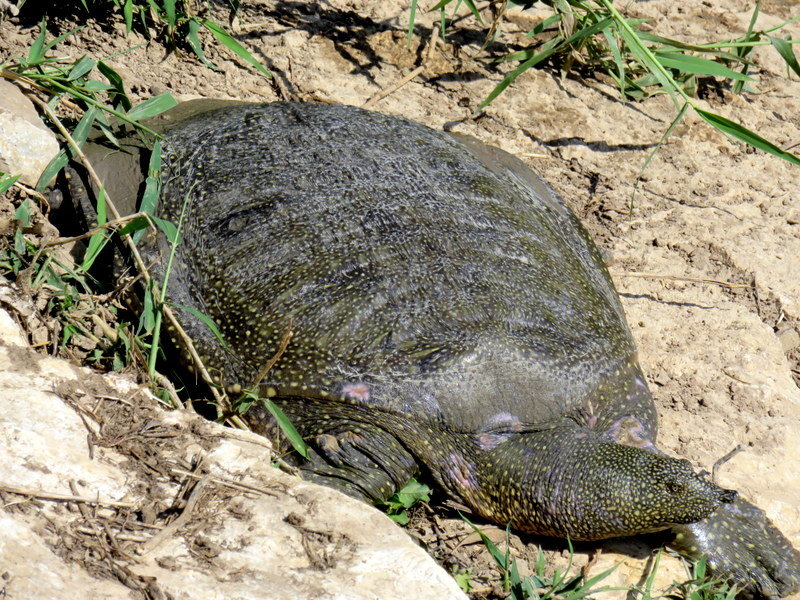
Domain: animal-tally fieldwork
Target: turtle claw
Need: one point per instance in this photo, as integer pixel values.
(743, 547)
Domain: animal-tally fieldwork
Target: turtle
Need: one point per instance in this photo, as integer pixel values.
(449, 315)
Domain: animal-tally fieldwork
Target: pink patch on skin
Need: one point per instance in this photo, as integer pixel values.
(503, 420)
(356, 392)
(460, 471)
(490, 441)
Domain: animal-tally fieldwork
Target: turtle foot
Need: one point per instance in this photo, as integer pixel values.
(743, 546)
(366, 463)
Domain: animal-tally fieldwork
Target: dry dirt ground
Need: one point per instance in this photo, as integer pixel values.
(708, 264)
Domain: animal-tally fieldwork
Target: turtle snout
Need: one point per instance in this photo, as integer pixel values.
(728, 496)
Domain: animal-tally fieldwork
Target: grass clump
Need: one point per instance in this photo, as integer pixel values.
(539, 586)
(172, 22)
(595, 36)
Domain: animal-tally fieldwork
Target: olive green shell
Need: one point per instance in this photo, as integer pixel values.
(418, 271)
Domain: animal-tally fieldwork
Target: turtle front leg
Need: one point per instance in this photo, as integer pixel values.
(744, 547)
(362, 461)
(346, 451)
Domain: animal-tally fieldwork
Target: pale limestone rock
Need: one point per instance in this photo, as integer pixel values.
(34, 571)
(297, 540)
(26, 144)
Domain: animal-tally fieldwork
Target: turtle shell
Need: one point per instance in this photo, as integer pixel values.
(417, 270)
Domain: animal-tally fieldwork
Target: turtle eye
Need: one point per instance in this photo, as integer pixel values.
(676, 488)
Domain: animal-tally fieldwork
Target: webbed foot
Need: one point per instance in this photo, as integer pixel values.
(744, 547)
(362, 461)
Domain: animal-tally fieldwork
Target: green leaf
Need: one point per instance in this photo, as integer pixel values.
(152, 107)
(115, 79)
(742, 133)
(147, 319)
(152, 186)
(81, 68)
(127, 13)
(206, 320)
(413, 492)
(701, 66)
(20, 243)
(224, 37)
(7, 181)
(498, 556)
(170, 13)
(23, 214)
(168, 229)
(98, 241)
(96, 86)
(59, 161)
(84, 127)
(786, 51)
(412, 17)
(286, 427)
(400, 518)
(611, 40)
(544, 25)
(134, 226)
(196, 45)
(36, 51)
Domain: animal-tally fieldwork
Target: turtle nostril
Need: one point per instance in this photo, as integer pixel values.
(729, 496)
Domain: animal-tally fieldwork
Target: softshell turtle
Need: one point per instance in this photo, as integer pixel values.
(449, 314)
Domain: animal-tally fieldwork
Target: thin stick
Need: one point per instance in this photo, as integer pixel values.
(184, 517)
(287, 335)
(689, 279)
(63, 497)
(99, 228)
(201, 369)
(237, 485)
(397, 85)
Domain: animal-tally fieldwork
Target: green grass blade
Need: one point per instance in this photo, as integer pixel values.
(170, 14)
(748, 137)
(193, 39)
(127, 13)
(98, 241)
(7, 181)
(36, 51)
(118, 85)
(81, 68)
(152, 107)
(234, 46)
(135, 226)
(474, 9)
(412, 18)
(169, 229)
(653, 153)
(742, 52)
(152, 186)
(544, 25)
(786, 51)
(59, 161)
(534, 60)
(286, 426)
(23, 214)
(700, 66)
(207, 321)
(498, 556)
(611, 40)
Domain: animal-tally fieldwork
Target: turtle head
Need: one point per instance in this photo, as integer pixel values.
(623, 490)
